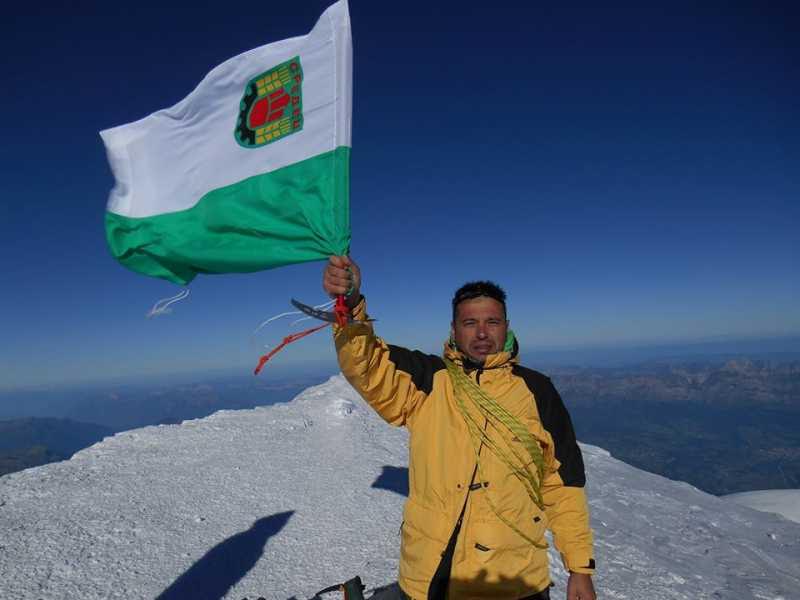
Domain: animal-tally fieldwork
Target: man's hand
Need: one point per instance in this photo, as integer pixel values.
(340, 276)
(580, 587)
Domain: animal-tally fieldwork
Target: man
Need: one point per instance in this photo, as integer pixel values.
(480, 495)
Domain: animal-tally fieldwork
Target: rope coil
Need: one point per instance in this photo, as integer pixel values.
(504, 423)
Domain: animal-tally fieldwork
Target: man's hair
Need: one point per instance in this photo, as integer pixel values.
(478, 289)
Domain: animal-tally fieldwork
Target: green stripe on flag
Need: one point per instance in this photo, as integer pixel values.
(298, 213)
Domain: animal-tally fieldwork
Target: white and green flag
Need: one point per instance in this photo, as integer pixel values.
(250, 171)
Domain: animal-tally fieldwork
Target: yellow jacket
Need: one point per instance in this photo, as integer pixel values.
(413, 389)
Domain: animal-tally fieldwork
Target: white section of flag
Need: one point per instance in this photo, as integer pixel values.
(167, 161)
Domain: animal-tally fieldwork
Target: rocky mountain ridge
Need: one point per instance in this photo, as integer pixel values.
(732, 383)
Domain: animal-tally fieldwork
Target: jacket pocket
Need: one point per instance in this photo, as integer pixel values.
(488, 539)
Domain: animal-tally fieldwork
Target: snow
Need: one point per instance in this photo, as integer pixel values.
(284, 500)
(782, 502)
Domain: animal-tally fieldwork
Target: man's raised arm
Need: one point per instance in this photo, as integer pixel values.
(393, 380)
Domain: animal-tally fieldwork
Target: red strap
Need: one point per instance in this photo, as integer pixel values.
(287, 340)
(341, 311)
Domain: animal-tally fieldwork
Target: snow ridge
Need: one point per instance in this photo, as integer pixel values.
(284, 500)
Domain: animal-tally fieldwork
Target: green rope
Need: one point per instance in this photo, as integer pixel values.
(503, 421)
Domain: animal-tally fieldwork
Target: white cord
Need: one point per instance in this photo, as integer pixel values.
(162, 307)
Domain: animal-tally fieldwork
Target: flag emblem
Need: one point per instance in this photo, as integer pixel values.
(272, 106)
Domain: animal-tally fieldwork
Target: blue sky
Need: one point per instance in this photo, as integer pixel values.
(629, 173)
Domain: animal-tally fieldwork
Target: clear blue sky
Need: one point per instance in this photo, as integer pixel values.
(629, 172)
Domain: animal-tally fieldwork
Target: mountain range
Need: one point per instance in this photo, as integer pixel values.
(725, 426)
(733, 383)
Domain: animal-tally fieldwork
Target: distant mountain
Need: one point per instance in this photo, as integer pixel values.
(724, 427)
(32, 442)
(126, 406)
(75, 418)
(62, 436)
(130, 408)
(20, 459)
(740, 382)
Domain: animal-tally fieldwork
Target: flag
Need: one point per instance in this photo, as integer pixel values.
(250, 171)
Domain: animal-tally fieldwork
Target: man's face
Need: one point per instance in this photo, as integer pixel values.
(480, 328)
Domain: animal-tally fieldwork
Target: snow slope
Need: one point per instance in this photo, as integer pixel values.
(283, 500)
(783, 502)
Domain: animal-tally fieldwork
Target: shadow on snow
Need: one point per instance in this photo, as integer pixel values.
(226, 563)
(394, 479)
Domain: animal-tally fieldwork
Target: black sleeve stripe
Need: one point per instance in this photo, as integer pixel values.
(556, 421)
(419, 365)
